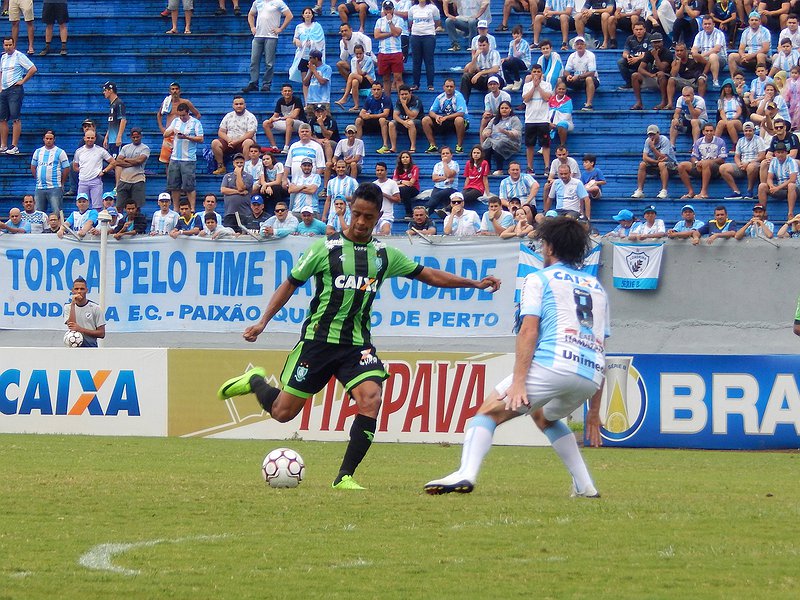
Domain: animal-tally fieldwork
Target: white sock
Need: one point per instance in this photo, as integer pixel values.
(563, 441)
(477, 441)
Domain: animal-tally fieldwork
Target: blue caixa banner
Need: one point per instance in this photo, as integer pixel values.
(726, 402)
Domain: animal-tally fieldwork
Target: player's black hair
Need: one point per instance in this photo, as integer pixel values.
(370, 193)
(79, 279)
(567, 238)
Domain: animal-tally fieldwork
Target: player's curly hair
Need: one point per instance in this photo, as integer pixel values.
(369, 192)
(567, 238)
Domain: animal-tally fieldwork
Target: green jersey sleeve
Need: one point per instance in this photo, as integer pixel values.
(313, 261)
(400, 265)
(797, 312)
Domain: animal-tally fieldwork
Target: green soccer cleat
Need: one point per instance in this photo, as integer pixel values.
(240, 385)
(347, 483)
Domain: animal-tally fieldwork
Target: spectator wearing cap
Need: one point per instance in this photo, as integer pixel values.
(166, 114)
(88, 164)
(465, 23)
(757, 226)
(406, 117)
(483, 30)
(708, 154)
(750, 152)
(781, 180)
(257, 214)
(581, 71)
(683, 229)
(117, 120)
(388, 30)
(351, 7)
(374, 117)
(164, 219)
(709, 49)
(236, 188)
(236, 133)
(109, 205)
(649, 229)
(653, 72)
(658, 157)
(317, 80)
(50, 169)
(309, 225)
(492, 100)
(784, 135)
(754, 46)
(625, 220)
(181, 172)
(130, 164)
(720, 227)
(16, 70)
(690, 115)
(264, 19)
(351, 151)
(485, 64)
(557, 15)
(461, 222)
(304, 189)
(55, 11)
(83, 220)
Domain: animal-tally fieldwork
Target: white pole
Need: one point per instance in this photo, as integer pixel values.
(105, 218)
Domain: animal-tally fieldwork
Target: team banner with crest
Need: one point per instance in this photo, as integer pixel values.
(637, 266)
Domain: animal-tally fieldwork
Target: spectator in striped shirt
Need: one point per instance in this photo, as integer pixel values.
(518, 185)
(164, 219)
(750, 152)
(16, 69)
(709, 49)
(754, 46)
(485, 64)
(781, 179)
(188, 132)
(50, 169)
(387, 31)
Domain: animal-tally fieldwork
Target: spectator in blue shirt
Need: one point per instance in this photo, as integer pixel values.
(309, 225)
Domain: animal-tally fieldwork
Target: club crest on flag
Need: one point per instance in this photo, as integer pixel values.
(637, 262)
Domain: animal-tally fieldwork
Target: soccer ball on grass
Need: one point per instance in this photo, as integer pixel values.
(73, 339)
(283, 468)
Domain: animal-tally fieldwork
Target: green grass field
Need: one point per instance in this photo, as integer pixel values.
(202, 524)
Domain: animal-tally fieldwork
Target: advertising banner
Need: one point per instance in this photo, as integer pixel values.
(161, 284)
(120, 391)
(695, 401)
(428, 398)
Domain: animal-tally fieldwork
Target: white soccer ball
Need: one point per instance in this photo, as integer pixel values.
(283, 468)
(73, 339)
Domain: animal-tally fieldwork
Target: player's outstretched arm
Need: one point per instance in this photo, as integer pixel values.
(443, 279)
(276, 302)
(593, 420)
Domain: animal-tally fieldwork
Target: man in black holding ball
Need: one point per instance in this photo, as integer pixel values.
(84, 316)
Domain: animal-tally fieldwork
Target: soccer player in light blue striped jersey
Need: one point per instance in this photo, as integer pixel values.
(559, 364)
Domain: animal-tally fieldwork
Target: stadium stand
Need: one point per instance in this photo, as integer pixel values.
(125, 43)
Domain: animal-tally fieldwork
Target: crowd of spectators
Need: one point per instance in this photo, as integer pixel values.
(303, 179)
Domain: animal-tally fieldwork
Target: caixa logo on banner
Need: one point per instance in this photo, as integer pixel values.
(701, 401)
(69, 392)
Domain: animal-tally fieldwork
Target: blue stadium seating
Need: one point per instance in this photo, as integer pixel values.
(127, 44)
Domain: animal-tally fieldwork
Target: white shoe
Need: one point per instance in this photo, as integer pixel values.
(589, 492)
(509, 87)
(662, 195)
(638, 193)
(517, 86)
(454, 482)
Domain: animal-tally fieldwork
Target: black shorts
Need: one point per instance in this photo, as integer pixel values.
(351, 8)
(311, 365)
(537, 132)
(371, 125)
(448, 126)
(55, 13)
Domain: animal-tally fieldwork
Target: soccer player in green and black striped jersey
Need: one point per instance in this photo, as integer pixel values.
(348, 269)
